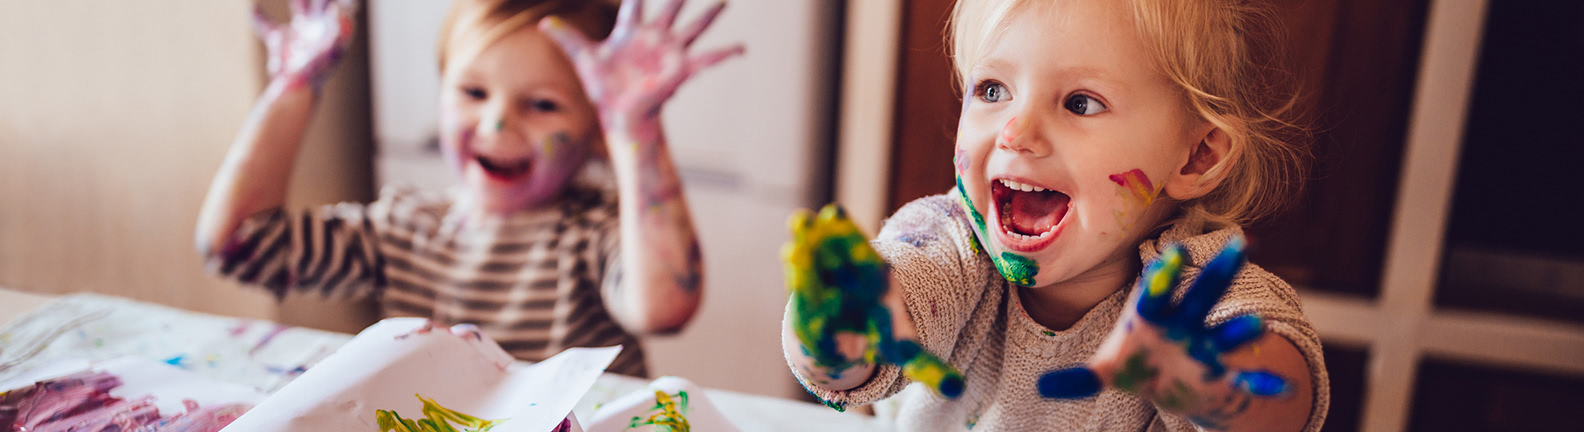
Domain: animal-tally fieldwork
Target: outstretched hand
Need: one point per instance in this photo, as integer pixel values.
(633, 72)
(1166, 354)
(304, 51)
(838, 283)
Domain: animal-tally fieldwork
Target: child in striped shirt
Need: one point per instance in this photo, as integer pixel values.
(536, 258)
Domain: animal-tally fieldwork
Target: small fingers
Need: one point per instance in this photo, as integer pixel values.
(695, 29)
(1156, 285)
(1235, 333)
(627, 19)
(921, 366)
(262, 24)
(1070, 383)
(669, 15)
(568, 38)
(1260, 383)
(710, 58)
(1212, 283)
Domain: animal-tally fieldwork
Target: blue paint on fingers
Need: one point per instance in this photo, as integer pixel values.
(1070, 383)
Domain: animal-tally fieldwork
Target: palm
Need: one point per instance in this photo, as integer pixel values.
(305, 50)
(634, 71)
(1167, 354)
(837, 282)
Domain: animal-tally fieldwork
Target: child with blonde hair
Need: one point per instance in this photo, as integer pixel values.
(1096, 136)
(534, 257)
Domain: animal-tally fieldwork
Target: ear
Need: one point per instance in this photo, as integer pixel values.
(1204, 168)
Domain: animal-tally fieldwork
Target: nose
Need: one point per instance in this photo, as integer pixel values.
(1022, 135)
(496, 123)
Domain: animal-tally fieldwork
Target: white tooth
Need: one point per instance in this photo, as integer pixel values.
(1009, 184)
(1039, 189)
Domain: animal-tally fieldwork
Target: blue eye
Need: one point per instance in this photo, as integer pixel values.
(1084, 105)
(991, 92)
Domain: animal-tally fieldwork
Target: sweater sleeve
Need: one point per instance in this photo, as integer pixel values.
(332, 250)
(934, 262)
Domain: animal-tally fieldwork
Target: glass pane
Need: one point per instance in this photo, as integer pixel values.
(1513, 242)
(1457, 396)
(1347, 365)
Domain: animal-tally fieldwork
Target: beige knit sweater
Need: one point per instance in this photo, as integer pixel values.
(966, 314)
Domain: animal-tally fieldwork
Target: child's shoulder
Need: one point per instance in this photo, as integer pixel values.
(933, 215)
(1252, 283)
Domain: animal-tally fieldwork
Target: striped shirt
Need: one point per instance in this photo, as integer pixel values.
(531, 280)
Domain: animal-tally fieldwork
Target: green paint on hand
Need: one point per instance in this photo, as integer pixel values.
(837, 282)
(1135, 372)
(436, 419)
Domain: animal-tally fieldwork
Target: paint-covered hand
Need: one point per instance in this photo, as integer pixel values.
(1166, 353)
(303, 52)
(837, 282)
(631, 74)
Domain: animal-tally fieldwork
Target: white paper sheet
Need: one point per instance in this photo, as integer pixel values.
(388, 364)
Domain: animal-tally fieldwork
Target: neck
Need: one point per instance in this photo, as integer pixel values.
(1060, 305)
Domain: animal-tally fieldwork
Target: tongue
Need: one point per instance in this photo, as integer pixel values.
(1034, 213)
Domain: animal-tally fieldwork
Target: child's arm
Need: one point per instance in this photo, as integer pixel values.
(656, 285)
(845, 315)
(254, 176)
(1234, 376)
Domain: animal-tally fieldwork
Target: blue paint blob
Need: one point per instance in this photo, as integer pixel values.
(952, 386)
(1261, 383)
(177, 360)
(1070, 383)
(1234, 333)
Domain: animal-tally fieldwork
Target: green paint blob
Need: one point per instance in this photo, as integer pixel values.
(1135, 372)
(436, 419)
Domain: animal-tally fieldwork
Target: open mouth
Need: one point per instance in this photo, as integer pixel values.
(1029, 216)
(504, 169)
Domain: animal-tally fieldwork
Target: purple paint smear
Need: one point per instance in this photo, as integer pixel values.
(82, 402)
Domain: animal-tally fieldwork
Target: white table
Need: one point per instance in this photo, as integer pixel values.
(37, 331)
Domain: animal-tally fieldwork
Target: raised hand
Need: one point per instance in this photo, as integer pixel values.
(837, 283)
(1166, 354)
(631, 74)
(305, 51)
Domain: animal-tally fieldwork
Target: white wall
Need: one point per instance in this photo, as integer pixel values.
(113, 119)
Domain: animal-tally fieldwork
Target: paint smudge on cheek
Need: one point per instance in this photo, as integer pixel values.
(1137, 194)
(960, 160)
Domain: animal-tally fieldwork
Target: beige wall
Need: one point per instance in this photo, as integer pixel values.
(113, 118)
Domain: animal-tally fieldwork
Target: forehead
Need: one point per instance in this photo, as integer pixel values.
(525, 55)
(1084, 37)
